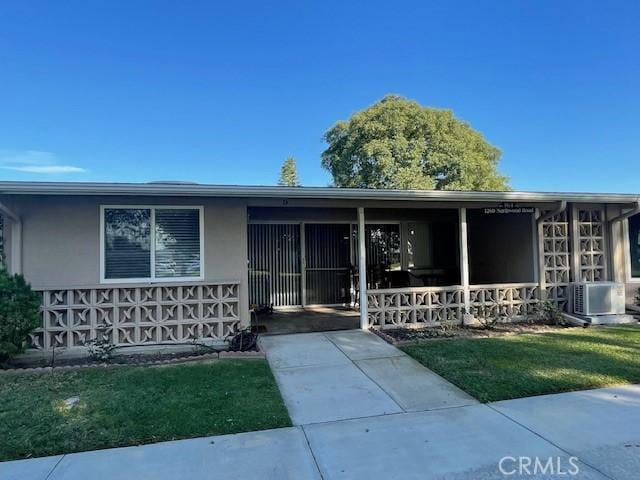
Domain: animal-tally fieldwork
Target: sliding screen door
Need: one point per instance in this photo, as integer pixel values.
(274, 265)
(328, 264)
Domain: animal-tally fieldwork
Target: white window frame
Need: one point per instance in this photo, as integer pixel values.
(152, 278)
(627, 253)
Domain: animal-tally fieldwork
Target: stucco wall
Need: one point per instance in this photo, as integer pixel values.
(61, 238)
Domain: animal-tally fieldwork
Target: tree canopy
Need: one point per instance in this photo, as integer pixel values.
(397, 143)
(289, 173)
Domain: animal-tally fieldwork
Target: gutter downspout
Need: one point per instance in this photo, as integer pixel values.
(562, 206)
(16, 238)
(629, 213)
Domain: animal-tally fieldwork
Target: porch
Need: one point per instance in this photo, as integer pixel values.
(421, 266)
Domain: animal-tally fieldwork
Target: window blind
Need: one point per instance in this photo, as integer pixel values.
(127, 243)
(177, 243)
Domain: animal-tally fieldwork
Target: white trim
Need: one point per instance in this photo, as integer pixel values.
(535, 247)
(627, 254)
(152, 246)
(244, 191)
(303, 264)
(362, 271)
(152, 279)
(464, 258)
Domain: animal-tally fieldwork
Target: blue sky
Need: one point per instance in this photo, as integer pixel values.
(222, 92)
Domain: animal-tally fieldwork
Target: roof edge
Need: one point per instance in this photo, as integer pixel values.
(255, 191)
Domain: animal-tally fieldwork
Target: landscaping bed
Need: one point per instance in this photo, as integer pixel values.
(100, 352)
(407, 336)
(122, 357)
(91, 408)
(506, 366)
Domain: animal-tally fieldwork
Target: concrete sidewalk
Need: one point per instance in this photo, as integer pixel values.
(333, 376)
(600, 427)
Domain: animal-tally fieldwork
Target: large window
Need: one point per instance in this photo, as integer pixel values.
(151, 243)
(634, 245)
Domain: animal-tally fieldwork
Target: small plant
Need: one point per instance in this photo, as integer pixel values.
(448, 324)
(550, 314)
(244, 341)
(101, 348)
(487, 320)
(19, 314)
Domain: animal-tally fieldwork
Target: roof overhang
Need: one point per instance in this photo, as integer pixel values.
(242, 191)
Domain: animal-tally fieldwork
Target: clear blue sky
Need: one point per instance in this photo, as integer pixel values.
(222, 92)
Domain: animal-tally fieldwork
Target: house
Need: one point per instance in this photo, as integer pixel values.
(170, 262)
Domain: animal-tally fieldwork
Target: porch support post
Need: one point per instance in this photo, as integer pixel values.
(303, 265)
(542, 279)
(362, 271)
(464, 259)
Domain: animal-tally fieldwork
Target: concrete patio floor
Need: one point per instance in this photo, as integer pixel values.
(360, 415)
(308, 320)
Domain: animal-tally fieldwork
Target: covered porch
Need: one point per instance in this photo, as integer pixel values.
(421, 266)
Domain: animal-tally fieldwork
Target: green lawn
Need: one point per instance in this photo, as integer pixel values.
(515, 366)
(135, 405)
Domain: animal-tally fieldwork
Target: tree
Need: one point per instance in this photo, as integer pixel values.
(289, 173)
(397, 143)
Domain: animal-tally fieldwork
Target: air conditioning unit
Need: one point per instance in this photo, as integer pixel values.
(598, 298)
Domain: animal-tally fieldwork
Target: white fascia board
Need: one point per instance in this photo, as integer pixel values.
(230, 191)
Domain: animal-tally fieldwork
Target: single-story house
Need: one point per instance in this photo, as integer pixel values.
(170, 262)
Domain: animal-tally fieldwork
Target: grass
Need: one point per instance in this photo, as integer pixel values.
(500, 368)
(135, 405)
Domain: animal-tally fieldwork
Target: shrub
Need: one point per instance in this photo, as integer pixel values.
(550, 314)
(101, 348)
(19, 313)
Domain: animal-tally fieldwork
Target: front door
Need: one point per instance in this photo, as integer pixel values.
(289, 263)
(275, 274)
(327, 264)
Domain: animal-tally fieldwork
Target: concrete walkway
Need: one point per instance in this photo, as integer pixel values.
(442, 434)
(326, 377)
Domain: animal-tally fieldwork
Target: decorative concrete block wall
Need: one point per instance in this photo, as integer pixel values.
(138, 315)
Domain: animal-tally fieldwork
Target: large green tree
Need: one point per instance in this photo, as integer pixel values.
(289, 173)
(397, 143)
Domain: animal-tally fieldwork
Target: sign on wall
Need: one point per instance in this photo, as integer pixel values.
(508, 208)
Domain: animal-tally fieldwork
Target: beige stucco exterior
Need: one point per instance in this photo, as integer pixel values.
(61, 238)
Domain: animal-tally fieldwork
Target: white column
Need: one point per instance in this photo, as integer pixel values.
(540, 270)
(574, 232)
(464, 259)
(303, 265)
(362, 271)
